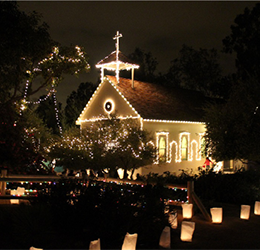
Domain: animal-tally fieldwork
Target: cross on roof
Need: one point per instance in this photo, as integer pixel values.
(116, 37)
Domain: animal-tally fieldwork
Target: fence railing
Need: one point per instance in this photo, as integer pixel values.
(191, 195)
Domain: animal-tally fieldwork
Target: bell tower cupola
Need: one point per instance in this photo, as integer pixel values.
(116, 61)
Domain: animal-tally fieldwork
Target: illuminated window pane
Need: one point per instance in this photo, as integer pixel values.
(184, 148)
(162, 148)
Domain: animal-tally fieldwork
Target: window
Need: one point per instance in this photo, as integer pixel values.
(162, 148)
(184, 148)
(109, 106)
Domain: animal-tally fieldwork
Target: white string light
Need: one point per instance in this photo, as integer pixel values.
(57, 112)
(55, 52)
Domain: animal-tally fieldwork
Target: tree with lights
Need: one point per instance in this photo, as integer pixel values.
(23, 144)
(28, 54)
(108, 143)
(29, 61)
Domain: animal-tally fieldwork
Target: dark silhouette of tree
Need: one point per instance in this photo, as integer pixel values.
(147, 63)
(46, 110)
(76, 101)
(233, 126)
(244, 41)
(196, 70)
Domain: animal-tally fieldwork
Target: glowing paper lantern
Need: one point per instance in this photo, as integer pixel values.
(14, 201)
(187, 210)
(130, 242)
(34, 248)
(245, 212)
(20, 190)
(187, 230)
(173, 219)
(120, 173)
(165, 239)
(257, 208)
(216, 214)
(13, 192)
(94, 245)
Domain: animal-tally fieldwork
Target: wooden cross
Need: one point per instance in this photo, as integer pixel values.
(117, 36)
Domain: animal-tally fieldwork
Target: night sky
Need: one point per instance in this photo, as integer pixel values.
(159, 27)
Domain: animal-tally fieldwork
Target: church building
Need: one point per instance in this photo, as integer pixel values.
(173, 116)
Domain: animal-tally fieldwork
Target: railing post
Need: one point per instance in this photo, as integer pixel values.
(193, 198)
(3, 183)
(190, 187)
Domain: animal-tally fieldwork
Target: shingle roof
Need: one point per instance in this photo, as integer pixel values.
(153, 101)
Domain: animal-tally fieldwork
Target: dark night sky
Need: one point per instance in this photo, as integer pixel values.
(159, 27)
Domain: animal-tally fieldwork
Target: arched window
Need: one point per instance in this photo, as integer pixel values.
(162, 148)
(184, 148)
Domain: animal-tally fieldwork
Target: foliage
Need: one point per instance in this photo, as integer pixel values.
(244, 41)
(233, 127)
(70, 150)
(106, 143)
(29, 55)
(76, 101)
(22, 143)
(242, 187)
(46, 110)
(197, 70)
(24, 40)
(29, 61)
(147, 63)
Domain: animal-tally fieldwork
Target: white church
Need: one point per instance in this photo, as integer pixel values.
(173, 116)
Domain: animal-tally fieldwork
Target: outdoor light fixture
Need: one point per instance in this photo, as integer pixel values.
(165, 239)
(130, 242)
(187, 210)
(257, 208)
(94, 245)
(216, 214)
(187, 229)
(245, 212)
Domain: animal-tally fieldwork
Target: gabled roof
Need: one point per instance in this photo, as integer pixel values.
(153, 101)
(110, 62)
